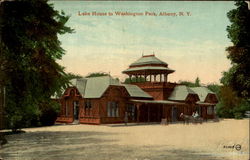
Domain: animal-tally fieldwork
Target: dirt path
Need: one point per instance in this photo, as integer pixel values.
(209, 141)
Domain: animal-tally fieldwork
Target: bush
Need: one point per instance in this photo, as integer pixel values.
(234, 112)
(49, 113)
(223, 112)
(238, 115)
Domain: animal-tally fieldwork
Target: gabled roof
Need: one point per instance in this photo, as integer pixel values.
(96, 86)
(80, 84)
(202, 92)
(146, 60)
(135, 91)
(180, 93)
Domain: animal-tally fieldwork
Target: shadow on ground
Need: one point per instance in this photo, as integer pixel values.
(86, 146)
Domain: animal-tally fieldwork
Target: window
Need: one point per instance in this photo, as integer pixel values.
(210, 110)
(131, 109)
(72, 92)
(88, 104)
(112, 109)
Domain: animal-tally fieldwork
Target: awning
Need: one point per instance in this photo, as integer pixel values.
(205, 104)
(157, 102)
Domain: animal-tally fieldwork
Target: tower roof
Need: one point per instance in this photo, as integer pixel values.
(148, 60)
(148, 64)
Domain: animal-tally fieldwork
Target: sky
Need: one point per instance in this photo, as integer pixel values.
(193, 43)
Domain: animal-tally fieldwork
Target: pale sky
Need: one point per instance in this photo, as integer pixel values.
(192, 45)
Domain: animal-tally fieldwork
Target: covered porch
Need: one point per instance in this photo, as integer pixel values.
(206, 110)
(158, 110)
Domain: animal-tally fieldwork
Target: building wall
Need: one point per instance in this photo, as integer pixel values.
(97, 114)
(114, 94)
(66, 114)
(158, 90)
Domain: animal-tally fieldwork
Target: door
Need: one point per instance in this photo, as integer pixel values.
(174, 114)
(131, 111)
(76, 110)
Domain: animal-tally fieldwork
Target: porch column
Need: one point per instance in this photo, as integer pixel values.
(206, 112)
(138, 113)
(213, 112)
(148, 113)
(159, 115)
(166, 78)
(160, 77)
(150, 77)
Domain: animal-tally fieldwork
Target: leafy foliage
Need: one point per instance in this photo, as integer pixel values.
(235, 92)
(133, 80)
(29, 39)
(238, 77)
(230, 105)
(191, 84)
(97, 74)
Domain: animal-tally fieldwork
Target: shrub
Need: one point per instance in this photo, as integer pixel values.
(238, 115)
(49, 113)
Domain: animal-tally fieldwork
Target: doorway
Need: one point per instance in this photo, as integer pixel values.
(76, 110)
(174, 114)
(132, 112)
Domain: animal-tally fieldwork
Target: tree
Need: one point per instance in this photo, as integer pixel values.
(238, 77)
(197, 82)
(133, 79)
(97, 74)
(30, 42)
(214, 88)
(191, 84)
(230, 105)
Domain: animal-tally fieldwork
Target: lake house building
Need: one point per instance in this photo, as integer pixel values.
(150, 97)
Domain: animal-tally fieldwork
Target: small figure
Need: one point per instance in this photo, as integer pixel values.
(196, 115)
(193, 114)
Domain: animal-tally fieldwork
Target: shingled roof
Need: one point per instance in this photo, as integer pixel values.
(94, 87)
(80, 84)
(180, 93)
(135, 91)
(148, 64)
(147, 60)
(202, 92)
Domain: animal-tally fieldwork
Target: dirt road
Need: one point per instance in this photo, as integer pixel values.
(227, 139)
